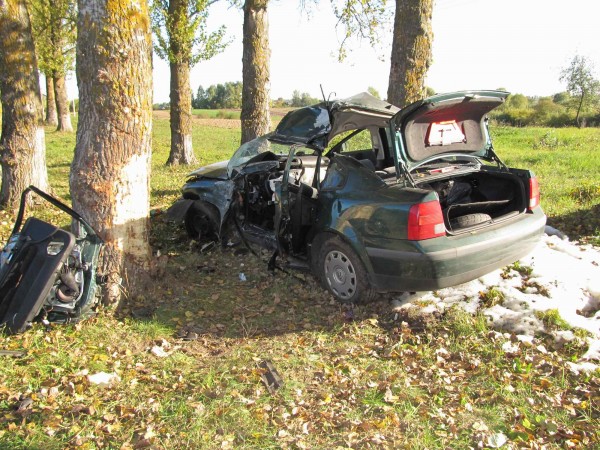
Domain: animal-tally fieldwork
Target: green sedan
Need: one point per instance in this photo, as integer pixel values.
(372, 198)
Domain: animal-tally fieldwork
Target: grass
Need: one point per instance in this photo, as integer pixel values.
(360, 380)
(216, 114)
(552, 320)
(565, 162)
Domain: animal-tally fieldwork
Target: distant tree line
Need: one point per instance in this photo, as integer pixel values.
(219, 96)
(559, 110)
(229, 96)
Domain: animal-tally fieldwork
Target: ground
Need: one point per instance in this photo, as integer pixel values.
(180, 365)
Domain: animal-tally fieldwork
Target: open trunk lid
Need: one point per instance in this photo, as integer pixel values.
(445, 125)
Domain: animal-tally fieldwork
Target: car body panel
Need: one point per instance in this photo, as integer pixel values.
(448, 261)
(46, 271)
(467, 109)
(314, 126)
(216, 170)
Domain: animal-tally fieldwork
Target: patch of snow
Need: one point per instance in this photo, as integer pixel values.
(551, 231)
(159, 352)
(525, 339)
(593, 352)
(510, 348)
(104, 379)
(585, 367)
(557, 274)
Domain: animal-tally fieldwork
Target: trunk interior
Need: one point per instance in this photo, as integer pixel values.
(478, 199)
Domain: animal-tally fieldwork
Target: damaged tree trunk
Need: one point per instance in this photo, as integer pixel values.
(22, 144)
(62, 104)
(411, 51)
(109, 178)
(255, 115)
(51, 117)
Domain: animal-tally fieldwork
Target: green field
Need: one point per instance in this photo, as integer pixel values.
(352, 378)
(564, 159)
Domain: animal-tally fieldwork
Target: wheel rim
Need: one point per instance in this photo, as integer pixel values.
(340, 274)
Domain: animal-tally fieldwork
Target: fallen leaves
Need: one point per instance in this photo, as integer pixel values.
(352, 376)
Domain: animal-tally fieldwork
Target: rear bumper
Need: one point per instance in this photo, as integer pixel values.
(396, 265)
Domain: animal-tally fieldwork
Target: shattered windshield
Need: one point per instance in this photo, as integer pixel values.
(255, 147)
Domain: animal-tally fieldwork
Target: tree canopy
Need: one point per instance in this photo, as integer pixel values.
(227, 95)
(193, 42)
(53, 24)
(582, 84)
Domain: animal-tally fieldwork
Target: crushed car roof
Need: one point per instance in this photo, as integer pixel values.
(315, 125)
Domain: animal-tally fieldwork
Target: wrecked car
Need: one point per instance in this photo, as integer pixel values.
(374, 199)
(47, 273)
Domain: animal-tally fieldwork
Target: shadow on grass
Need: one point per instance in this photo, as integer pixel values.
(230, 293)
(59, 165)
(582, 225)
(165, 192)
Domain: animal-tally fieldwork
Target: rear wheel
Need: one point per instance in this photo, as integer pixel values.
(201, 222)
(342, 273)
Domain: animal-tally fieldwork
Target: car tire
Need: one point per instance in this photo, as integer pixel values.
(469, 220)
(201, 222)
(342, 273)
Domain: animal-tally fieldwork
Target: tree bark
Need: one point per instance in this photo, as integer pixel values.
(182, 151)
(62, 104)
(22, 144)
(109, 178)
(411, 51)
(51, 117)
(181, 94)
(255, 115)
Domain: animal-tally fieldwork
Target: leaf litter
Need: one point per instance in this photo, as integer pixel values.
(383, 375)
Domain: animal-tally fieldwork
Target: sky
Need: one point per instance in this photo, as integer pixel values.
(519, 45)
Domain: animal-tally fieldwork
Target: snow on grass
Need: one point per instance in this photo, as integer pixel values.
(554, 290)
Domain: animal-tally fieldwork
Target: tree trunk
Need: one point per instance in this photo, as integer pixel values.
(109, 177)
(579, 109)
(62, 104)
(411, 51)
(181, 93)
(22, 144)
(255, 115)
(181, 116)
(51, 117)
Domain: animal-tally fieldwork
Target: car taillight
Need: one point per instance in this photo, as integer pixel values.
(534, 193)
(425, 221)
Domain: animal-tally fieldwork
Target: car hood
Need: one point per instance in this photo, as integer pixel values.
(214, 170)
(315, 125)
(451, 123)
